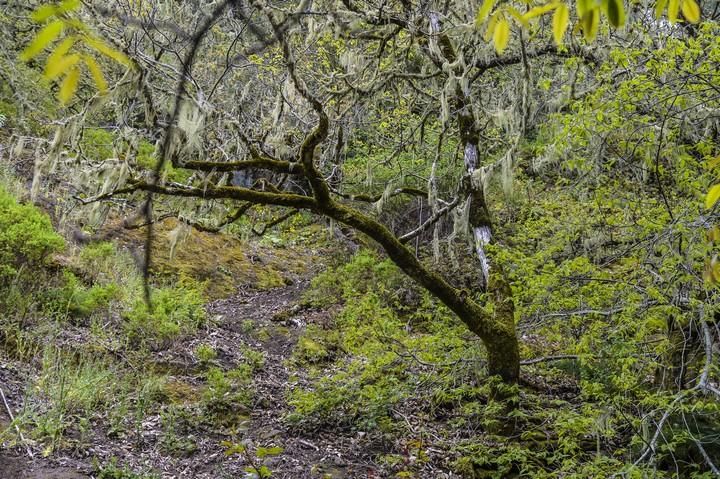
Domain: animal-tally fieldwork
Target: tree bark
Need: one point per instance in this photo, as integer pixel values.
(497, 332)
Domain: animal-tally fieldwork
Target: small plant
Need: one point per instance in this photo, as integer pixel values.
(205, 353)
(112, 470)
(254, 457)
(254, 359)
(227, 395)
(317, 345)
(176, 311)
(81, 301)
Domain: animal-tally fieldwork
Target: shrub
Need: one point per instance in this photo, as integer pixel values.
(26, 237)
(81, 301)
(176, 310)
(205, 353)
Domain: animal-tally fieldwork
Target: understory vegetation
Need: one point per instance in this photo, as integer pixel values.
(356, 240)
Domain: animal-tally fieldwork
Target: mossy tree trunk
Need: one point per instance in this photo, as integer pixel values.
(496, 330)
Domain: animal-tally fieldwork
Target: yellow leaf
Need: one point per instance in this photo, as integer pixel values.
(590, 24)
(560, 22)
(69, 85)
(501, 36)
(583, 6)
(660, 7)
(691, 11)
(69, 5)
(541, 10)
(484, 12)
(490, 30)
(673, 10)
(61, 65)
(59, 52)
(108, 51)
(616, 13)
(96, 73)
(713, 196)
(517, 16)
(42, 40)
(43, 12)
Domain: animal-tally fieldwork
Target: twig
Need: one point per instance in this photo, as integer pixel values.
(708, 460)
(17, 428)
(545, 359)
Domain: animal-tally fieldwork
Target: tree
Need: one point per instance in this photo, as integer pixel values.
(282, 91)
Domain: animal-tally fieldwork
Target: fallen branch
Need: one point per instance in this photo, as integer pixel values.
(546, 359)
(17, 428)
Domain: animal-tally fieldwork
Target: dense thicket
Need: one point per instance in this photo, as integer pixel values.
(550, 197)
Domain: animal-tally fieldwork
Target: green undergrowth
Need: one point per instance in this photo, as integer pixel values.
(75, 318)
(399, 367)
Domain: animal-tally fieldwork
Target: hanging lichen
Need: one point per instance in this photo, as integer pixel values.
(178, 236)
(387, 193)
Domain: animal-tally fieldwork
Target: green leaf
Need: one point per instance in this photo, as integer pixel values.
(673, 10)
(583, 6)
(590, 22)
(42, 40)
(660, 7)
(268, 451)
(691, 11)
(96, 73)
(57, 55)
(69, 5)
(491, 26)
(541, 10)
(484, 12)
(69, 85)
(616, 13)
(44, 12)
(517, 16)
(108, 51)
(713, 196)
(560, 22)
(61, 65)
(501, 36)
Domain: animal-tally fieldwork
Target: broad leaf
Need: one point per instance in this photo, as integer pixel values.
(560, 22)
(61, 65)
(42, 40)
(96, 73)
(69, 85)
(616, 13)
(501, 35)
(484, 11)
(691, 11)
(713, 196)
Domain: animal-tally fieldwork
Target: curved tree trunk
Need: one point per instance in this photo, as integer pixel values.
(497, 332)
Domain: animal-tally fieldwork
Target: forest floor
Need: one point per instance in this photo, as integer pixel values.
(269, 322)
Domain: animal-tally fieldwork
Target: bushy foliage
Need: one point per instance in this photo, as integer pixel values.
(80, 300)
(27, 237)
(175, 311)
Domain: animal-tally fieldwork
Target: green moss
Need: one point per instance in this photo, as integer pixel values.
(268, 278)
(205, 353)
(147, 160)
(317, 345)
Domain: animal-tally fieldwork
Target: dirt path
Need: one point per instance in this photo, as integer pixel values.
(263, 321)
(321, 455)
